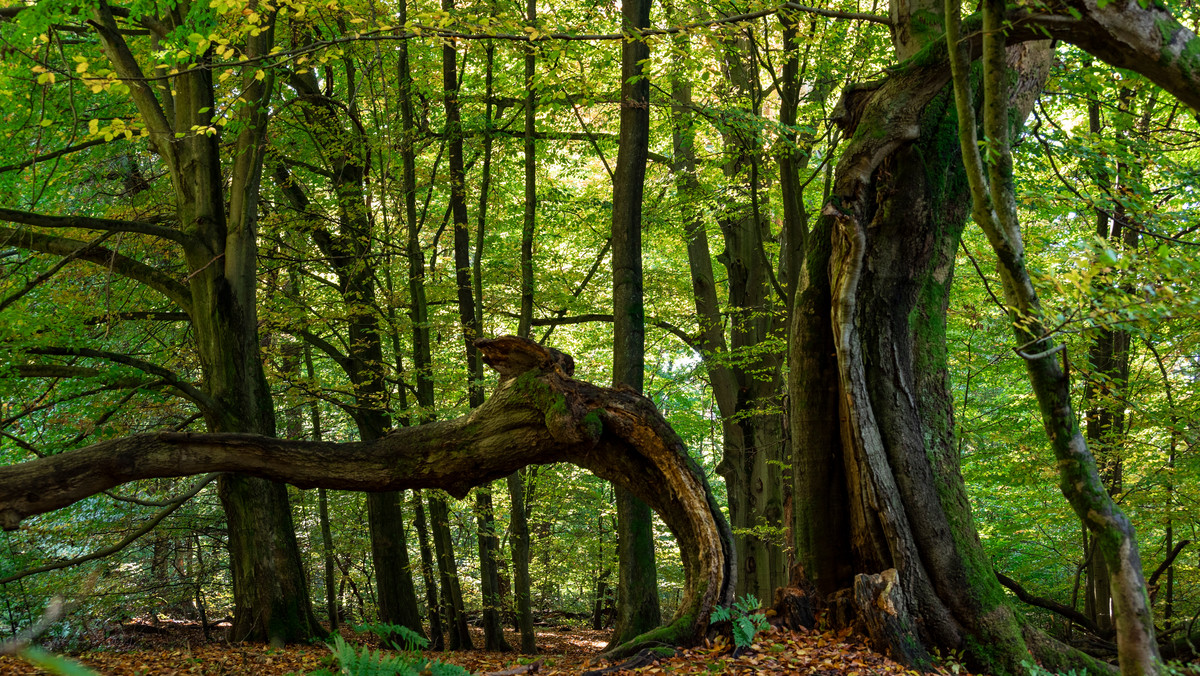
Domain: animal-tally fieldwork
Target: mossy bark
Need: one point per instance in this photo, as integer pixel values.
(538, 414)
(883, 489)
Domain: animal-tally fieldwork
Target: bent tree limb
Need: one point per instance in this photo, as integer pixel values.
(538, 414)
(994, 208)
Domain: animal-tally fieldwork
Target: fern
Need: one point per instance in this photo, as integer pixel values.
(746, 623)
(366, 662)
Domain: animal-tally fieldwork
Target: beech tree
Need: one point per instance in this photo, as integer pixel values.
(879, 504)
(213, 227)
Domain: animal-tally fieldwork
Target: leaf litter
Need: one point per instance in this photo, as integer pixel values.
(561, 651)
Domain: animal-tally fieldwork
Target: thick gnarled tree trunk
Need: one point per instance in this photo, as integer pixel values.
(878, 484)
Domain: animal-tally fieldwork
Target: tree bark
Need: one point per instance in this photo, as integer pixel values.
(878, 483)
(538, 414)
(437, 638)
(637, 595)
(269, 586)
(519, 538)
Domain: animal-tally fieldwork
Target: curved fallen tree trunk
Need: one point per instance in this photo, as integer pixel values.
(538, 414)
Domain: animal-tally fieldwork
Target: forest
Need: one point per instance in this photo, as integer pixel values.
(445, 318)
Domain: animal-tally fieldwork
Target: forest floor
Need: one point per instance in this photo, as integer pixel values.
(182, 650)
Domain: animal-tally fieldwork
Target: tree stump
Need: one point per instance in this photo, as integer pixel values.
(883, 610)
(793, 608)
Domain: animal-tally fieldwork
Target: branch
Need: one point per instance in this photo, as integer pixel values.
(54, 371)
(146, 315)
(601, 317)
(38, 280)
(1148, 40)
(125, 542)
(323, 345)
(127, 68)
(1162, 567)
(537, 414)
(187, 389)
(89, 223)
(856, 16)
(57, 153)
(122, 265)
(1053, 606)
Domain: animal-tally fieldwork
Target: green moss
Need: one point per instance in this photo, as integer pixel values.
(593, 424)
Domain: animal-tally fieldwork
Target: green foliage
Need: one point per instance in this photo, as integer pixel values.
(412, 641)
(745, 621)
(367, 662)
(55, 664)
(1036, 669)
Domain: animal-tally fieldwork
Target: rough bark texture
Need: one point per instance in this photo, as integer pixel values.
(520, 555)
(219, 242)
(892, 223)
(437, 638)
(538, 414)
(884, 610)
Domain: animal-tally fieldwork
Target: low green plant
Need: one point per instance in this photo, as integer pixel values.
(366, 662)
(1036, 669)
(388, 633)
(952, 660)
(745, 620)
(55, 664)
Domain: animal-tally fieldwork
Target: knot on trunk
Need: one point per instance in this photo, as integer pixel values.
(511, 356)
(545, 374)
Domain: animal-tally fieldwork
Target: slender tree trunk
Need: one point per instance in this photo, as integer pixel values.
(493, 629)
(754, 448)
(437, 639)
(443, 545)
(419, 314)
(637, 596)
(323, 507)
(489, 550)
(994, 203)
(518, 520)
(519, 538)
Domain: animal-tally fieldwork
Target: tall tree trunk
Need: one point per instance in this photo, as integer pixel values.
(637, 594)
(493, 629)
(754, 449)
(323, 507)
(1107, 390)
(269, 586)
(518, 520)
(349, 251)
(452, 602)
(443, 546)
(419, 315)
